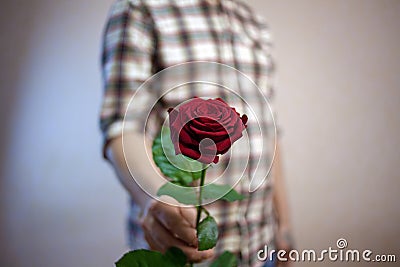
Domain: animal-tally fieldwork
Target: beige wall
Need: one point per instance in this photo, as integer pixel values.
(338, 99)
(60, 204)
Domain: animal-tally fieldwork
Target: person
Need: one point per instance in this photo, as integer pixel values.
(143, 37)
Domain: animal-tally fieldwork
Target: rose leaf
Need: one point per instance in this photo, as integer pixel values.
(179, 168)
(207, 233)
(174, 257)
(184, 195)
(223, 192)
(226, 259)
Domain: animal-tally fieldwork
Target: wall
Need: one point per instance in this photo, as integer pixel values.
(338, 101)
(60, 203)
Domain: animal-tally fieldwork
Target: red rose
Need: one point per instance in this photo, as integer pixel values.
(198, 119)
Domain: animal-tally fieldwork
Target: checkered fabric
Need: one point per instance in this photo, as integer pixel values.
(143, 37)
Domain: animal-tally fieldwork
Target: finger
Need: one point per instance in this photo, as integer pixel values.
(147, 225)
(189, 214)
(164, 240)
(172, 219)
(152, 244)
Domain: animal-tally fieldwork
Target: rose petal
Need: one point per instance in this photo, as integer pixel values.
(197, 119)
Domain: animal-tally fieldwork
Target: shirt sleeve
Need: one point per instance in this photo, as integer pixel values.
(127, 61)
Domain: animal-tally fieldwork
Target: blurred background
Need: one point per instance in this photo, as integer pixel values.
(338, 101)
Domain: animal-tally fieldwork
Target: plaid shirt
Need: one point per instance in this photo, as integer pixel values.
(143, 37)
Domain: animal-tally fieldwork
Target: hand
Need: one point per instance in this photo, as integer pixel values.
(168, 226)
(284, 241)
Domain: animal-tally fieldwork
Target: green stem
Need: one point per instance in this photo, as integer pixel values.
(200, 207)
(206, 211)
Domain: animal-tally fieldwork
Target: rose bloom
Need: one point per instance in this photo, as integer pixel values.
(200, 120)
